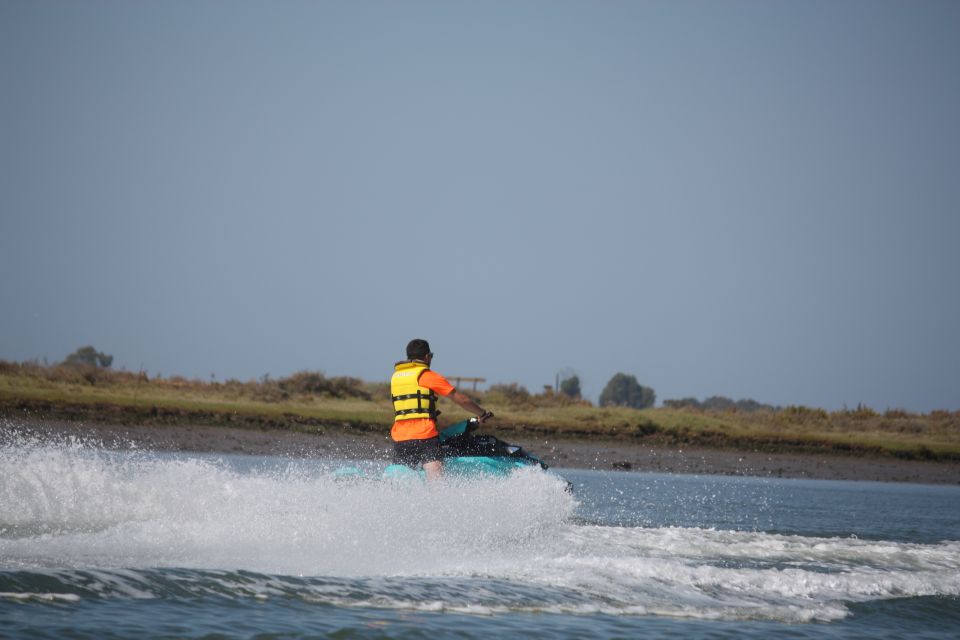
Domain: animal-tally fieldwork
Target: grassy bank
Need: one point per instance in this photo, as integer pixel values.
(312, 402)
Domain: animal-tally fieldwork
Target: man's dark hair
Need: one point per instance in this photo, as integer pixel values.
(417, 349)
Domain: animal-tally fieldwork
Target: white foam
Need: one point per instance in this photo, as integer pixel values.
(72, 507)
(706, 573)
(44, 597)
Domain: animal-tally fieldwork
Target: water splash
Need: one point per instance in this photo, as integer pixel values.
(79, 522)
(71, 504)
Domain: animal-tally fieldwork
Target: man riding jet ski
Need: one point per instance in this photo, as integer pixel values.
(415, 389)
(465, 453)
(423, 450)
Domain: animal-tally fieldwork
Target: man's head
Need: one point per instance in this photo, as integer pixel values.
(418, 349)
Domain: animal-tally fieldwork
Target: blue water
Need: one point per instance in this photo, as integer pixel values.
(97, 544)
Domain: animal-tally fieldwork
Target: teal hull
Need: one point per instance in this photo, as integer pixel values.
(465, 456)
(465, 467)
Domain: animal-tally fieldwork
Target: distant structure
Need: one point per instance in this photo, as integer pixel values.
(458, 379)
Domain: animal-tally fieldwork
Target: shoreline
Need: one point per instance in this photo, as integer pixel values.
(559, 453)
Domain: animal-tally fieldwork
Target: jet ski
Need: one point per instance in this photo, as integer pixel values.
(465, 454)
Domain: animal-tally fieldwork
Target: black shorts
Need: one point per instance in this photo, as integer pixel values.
(414, 453)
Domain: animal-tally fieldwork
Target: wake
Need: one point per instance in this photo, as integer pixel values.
(78, 522)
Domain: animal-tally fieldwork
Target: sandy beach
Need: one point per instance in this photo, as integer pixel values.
(558, 453)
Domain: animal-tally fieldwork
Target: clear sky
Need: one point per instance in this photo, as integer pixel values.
(750, 199)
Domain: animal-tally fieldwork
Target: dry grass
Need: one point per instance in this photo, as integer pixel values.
(312, 401)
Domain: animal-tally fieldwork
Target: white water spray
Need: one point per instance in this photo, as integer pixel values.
(479, 546)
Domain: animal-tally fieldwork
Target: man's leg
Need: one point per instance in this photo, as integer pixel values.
(434, 470)
(432, 459)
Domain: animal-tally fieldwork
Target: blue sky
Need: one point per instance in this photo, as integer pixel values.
(750, 199)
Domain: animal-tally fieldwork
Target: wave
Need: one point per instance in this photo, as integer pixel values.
(79, 523)
(640, 572)
(68, 504)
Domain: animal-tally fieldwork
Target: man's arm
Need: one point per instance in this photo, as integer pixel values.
(440, 385)
(468, 404)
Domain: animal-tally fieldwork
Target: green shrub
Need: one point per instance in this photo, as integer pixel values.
(896, 414)
(89, 356)
(570, 387)
(316, 383)
(624, 391)
(512, 394)
(801, 415)
(862, 412)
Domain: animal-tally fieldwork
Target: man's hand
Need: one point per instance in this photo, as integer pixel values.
(486, 415)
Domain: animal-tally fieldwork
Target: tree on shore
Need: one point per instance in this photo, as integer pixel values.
(570, 387)
(624, 391)
(90, 357)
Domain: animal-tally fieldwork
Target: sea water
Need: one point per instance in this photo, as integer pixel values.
(107, 544)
